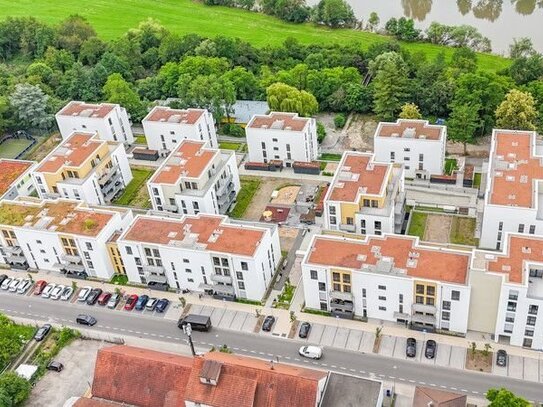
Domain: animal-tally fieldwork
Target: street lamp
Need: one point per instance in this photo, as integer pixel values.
(187, 329)
(394, 382)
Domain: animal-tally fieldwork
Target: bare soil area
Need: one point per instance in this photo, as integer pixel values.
(478, 361)
(438, 228)
(262, 198)
(286, 195)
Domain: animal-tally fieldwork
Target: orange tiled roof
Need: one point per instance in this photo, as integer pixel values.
(181, 116)
(208, 230)
(189, 159)
(10, 171)
(279, 121)
(431, 264)
(86, 109)
(415, 129)
(514, 168)
(73, 152)
(356, 172)
(86, 402)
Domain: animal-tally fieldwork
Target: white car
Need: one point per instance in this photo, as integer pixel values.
(24, 286)
(312, 352)
(57, 292)
(84, 293)
(46, 293)
(6, 283)
(66, 293)
(15, 284)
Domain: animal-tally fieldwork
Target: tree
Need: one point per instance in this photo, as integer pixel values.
(334, 13)
(521, 48)
(30, 103)
(402, 28)
(294, 11)
(527, 69)
(390, 84)
(117, 90)
(517, 111)
(373, 21)
(285, 98)
(14, 388)
(504, 398)
(91, 51)
(462, 124)
(245, 83)
(410, 111)
(73, 32)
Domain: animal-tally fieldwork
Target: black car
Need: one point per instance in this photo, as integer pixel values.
(430, 350)
(268, 323)
(411, 348)
(304, 330)
(85, 320)
(2, 278)
(501, 358)
(162, 304)
(93, 296)
(55, 366)
(142, 301)
(42, 332)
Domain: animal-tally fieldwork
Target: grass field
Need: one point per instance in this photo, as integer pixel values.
(113, 18)
(10, 148)
(135, 193)
(249, 186)
(140, 139)
(418, 224)
(463, 231)
(330, 157)
(227, 145)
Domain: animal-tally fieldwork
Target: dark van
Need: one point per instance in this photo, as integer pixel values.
(197, 322)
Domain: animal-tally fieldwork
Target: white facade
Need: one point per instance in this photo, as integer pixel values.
(195, 179)
(282, 136)
(202, 253)
(165, 128)
(513, 197)
(109, 120)
(365, 197)
(15, 178)
(416, 144)
(61, 235)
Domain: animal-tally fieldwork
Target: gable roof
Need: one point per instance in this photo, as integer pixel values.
(425, 395)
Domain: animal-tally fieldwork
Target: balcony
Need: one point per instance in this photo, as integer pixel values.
(347, 228)
(339, 295)
(108, 174)
(343, 306)
(71, 258)
(170, 208)
(226, 196)
(225, 292)
(149, 276)
(535, 287)
(224, 184)
(51, 195)
(13, 249)
(111, 189)
(401, 315)
(427, 309)
(70, 268)
(16, 258)
(154, 269)
(423, 319)
(221, 279)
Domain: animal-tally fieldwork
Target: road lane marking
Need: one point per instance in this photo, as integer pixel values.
(464, 390)
(333, 366)
(454, 388)
(422, 382)
(390, 377)
(401, 379)
(286, 357)
(352, 370)
(244, 350)
(475, 392)
(412, 381)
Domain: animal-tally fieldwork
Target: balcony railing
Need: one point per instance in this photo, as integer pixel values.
(339, 295)
(155, 277)
(13, 249)
(427, 309)
(347, 228)
(221, 279)
(342, 305)
(224, 184)
(224, 289)
(106, 175)
(423, 319)
(154, 269)
(71, 258)
(16, 258)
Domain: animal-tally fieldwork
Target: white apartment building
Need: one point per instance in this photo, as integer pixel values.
(194, 179)
(282, 136)
(165, 128)
(391, 278)
(109, 120)
(69, 237)
(365, 197)
(15, 178)
(416, 144)
(513, 197)
(206, 253)
(84, 167)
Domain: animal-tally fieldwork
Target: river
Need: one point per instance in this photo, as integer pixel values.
(499, 20)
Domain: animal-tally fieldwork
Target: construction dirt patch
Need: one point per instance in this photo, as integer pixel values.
(287, 236)
(286, 195)
(479, 361)
(438, 228)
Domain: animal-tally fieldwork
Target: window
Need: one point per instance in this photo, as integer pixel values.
(244, 266)
(332, 220)
(421, 157)
(378, 225)
(190, 280)
(350, 221)
(447, 305)
(529, 332)
(527, 342)
(374, 203)
(337, 287)
(530, 321)
(430, 290)
(533, 309)
(513, 295)
(346, 288)
(89, 246)
(87, 255)
(382, 308)
(332, 210)
(239, 275)
(420, 289)
(381, 298)
(346, 278)
(313, 274)
(363, 293)
(406, 149)
(366, 203)
(510, 317)
(274, 140)
(500, 226)
(382, 287)
(446, 316)
(128, 250)
(521, 228)
(322, 287)
(430, 301)
(89, 263)
(407, 158)
(400, 298)
(511, 306)
(263, 145)
(324, 307)
(419, 299)
(241, 285)
(392, 155)
(38, 241)
(455, 295)
(188, 271)
(532, 229)
(335, 276)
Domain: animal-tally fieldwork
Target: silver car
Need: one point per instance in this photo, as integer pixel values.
(66, 293)
(46, 293)
(84, 293)
(24, 286)
(6, 283)
(57, 292)
(15, 284)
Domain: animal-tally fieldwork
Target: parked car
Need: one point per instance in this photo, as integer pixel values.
(312, 352)
(55, 366)
(268, 323)
(411, 348)
(305, 327)
(6, 283)
(84, 319)
(430, 349)
(114, 300)
(162, 304)
(2, 278)
(15, 284)
(131, 302)
(93, 296)
(84, 293)
(151, 304)
(501, 358)
(66, 293)
(104, 298)
(24, 286)
(46, 293)
(39, 286)
(57, 292)
(142, 301)
(42, 332)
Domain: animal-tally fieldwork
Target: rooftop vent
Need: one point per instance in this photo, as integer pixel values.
(172, 235)
(506, 267)
(526, 250)
(510, 178)
(409, 132)
(523, 179)
(210, 372)
(277, 124)
(174, 118)
(395, 135)
(512, 196)
(514, 143)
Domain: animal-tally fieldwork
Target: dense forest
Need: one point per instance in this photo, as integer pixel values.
(42, 67)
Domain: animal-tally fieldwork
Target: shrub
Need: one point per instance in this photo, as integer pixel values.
(233, 130)
(339, 120)
(321, 132)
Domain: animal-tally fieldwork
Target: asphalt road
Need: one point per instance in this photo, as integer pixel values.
(265, 346)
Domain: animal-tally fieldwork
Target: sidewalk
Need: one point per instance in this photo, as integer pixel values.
(326, 331)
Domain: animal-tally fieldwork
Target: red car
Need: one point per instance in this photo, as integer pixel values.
(131, 302)
(40, 285)
(104, 298)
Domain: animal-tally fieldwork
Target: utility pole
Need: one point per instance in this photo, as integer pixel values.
(187, 329)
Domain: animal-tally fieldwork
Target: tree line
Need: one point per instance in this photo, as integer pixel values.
(42, 67)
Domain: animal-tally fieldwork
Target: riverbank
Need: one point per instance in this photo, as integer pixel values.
(112, 19)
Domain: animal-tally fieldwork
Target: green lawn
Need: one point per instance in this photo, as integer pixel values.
(463, 231)
(418, 224)
(450, 165)
(330, 157)
(113, 18)
(477, 180)
(136, 191)
(11, 148)
(249, 186)
(226, 145)
(140, 139)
